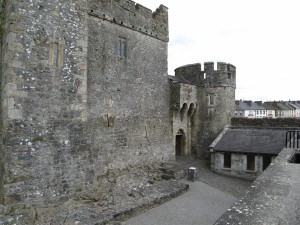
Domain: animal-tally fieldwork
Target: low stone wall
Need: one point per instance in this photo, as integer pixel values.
(266, 122)
(273, 197)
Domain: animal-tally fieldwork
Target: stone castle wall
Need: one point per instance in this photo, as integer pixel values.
(72, 110)
(131, 120)
(2, 21)
(44, 100)
(133, 16)
(85, 95)
(184, 102)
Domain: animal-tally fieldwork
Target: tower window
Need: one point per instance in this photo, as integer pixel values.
(122, 47)
(56, 54)
(229, 76)
(211, 99)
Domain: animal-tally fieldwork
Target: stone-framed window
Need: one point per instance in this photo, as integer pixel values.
(227, 160)
(211, 99)
(229, 76)
(56, 54)
(122, 47)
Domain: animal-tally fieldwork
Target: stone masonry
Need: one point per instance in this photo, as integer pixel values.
(85, 94)
(72, 108)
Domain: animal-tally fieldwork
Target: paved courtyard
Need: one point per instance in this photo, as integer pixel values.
(208, 198)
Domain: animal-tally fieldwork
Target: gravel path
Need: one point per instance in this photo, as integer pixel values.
(232, 185)
(208, 198)
(201, 205)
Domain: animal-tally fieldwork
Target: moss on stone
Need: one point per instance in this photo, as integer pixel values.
(38, 138)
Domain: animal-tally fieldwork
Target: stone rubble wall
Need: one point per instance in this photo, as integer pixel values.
(123, 194)
(72, 110)
(44, 102)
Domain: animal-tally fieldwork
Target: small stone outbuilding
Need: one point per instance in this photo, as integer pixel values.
(245, 152)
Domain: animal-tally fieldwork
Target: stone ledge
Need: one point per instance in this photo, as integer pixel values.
(273, 197)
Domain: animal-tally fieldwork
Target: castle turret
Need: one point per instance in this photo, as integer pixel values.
(223, 76)
(215, 100)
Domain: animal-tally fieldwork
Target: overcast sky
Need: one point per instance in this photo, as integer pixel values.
(260, 37)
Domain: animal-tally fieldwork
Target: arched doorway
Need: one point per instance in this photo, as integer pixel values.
(180, 143)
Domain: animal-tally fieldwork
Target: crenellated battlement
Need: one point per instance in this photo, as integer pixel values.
(134, 16)
(208, 66)
(219, 66)
(223, 74)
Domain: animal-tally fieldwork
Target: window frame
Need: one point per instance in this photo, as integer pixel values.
(211, 100)
(122, 47)
(229, 76)
(56, 54)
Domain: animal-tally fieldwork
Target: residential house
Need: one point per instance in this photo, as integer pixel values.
(296, 105)
(294, 108)
(260, 109)
(250, 109)
(278, 110)
(239, 110)
(286, 109)
(270, 111)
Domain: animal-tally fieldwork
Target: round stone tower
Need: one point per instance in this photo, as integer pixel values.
(216, 85)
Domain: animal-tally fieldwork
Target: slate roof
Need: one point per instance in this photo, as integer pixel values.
(259, 105)
(261, 141)
(294, 105)
(268, 106)
(284, 106)
(248, 105)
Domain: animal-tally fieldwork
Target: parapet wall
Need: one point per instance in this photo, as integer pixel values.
(191, 72)
(273, 197)
(221, 66)
(134, 16)
(224, 75)
(266, 122)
